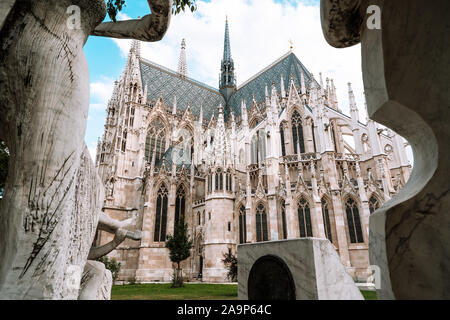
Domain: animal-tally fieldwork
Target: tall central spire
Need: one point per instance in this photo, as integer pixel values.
(227, 46)
(227, 77)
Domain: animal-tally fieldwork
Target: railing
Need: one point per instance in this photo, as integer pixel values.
(346, 157)
(304, 157)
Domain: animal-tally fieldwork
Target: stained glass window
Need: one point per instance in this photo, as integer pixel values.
(242, 225)
(161, 214)
(156, 141)
(304, 218)
(261, 224)
(283, 147)
(297, 133)
(180, 204)
(326, 220)
(283, 220)
(353, 221)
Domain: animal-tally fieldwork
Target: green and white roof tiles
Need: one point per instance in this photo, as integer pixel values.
(161, 80)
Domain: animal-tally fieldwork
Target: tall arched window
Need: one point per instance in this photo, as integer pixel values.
(180, 204)
(326, 220)
(353, 221)
(242, 225)
(258, 147)
(297, 133)
(313, 135)
(219, 180)
(124, 140)
(373, 204)
(156, 141)
(261, 223)
(283, 219)
(229, 181)
(304, 218)
(283, 146)
(161, 214)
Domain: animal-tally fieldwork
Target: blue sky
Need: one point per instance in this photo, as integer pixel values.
(260, 31)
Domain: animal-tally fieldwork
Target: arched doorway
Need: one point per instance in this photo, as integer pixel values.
(270, 279)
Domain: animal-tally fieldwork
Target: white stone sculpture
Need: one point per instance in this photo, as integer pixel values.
(53, 197)
(406, 64)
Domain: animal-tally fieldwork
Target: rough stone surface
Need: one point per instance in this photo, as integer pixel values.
(315, 266)
(406, 74)
(96, 282)
(53, 196)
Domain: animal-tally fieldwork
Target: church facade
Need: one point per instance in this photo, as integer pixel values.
(272, 159)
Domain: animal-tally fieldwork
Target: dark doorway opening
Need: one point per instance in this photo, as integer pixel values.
(270, 279)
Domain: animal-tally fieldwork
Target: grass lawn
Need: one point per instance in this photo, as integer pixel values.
(165, 292)
(189, 292)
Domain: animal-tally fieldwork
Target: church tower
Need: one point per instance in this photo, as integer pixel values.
(227, 76)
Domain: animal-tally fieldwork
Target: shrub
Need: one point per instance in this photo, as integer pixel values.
(230, 262)
(112, 265)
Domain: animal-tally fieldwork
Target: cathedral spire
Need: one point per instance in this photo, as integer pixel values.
(182, 66)
(227, 76)
(227, 46)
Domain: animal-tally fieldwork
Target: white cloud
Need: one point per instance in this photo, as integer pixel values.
(260, 31)
(101, 92)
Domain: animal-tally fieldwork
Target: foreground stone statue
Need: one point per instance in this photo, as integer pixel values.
(406, 70)
(53, 195)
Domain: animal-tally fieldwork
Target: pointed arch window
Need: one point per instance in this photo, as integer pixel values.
(161, 214)
(373, 204)
(283, 219)
(242, 225)
(313, 136)
(258, 147)
(261, 224)
(219, 180)
(304, 218)
(353, 221)
(326, 220)
(156, 141)
(297, 133)
(229, 186)
(131, 122)
(283, 146)
(124, 140)
(180, 204)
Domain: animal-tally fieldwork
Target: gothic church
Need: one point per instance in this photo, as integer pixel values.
(274, 158)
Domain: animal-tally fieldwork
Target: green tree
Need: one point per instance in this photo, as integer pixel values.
(115, 6)
(230, 262)
(112, 265)
(4, 159)
(179, 246)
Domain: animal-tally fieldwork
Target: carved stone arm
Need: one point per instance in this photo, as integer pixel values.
(151, 27)
(105, 223)
(119, 237)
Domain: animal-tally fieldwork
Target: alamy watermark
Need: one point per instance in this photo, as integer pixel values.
(73, 22)
(374, 19)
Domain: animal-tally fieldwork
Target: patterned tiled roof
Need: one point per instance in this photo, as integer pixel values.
(286, 66)
(161, 80)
